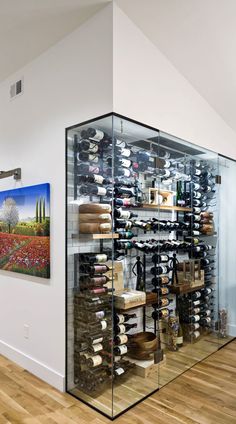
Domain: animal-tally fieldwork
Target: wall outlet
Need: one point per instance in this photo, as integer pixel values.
(26, 331)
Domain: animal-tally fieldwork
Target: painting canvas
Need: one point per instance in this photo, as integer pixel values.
(25, 230)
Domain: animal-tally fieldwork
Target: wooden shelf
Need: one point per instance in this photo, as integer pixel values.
(184, 289)
(96, 236)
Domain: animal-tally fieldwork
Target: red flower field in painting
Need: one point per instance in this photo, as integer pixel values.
(25, 254)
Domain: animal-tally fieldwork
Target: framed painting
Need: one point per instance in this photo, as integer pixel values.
(25, 230)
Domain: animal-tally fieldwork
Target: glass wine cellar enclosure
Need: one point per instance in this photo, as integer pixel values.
(143, 288)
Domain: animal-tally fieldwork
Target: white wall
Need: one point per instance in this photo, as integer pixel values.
(69, 83)
(148, 88)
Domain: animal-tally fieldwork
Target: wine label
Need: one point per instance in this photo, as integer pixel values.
(122, 328)
(96, 360)
(103, 324)
(93, 169)
(164, 280)
(196, 318)
(99, 290)
(196, 302)
(98, 179)
(120, 143)
(99, 269)
(122, 338)
(196, 334)
(164, 290)
(123, 349)
(121, 318)
(97, 347)
(101, 257)
(126, 163)
(101, 191)
(179, 340)
(163, 269)
(126, 152)
(165, 313)
(196, 325)
(196, 310)
(208, 320)
(93, 147)
(96, 341)
(197, 294)
(98, 135)
(165, 302)
(100, 314)
(124, 214)
(208, 313)
(119, 371)
(167, 164)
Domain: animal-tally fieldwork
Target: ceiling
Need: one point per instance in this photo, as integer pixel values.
(29, 27)
(199, 38)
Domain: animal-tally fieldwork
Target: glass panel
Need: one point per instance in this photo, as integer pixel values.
(90, 263)
(142, 260)
(227, 287)
(190, 332)
(136, 353)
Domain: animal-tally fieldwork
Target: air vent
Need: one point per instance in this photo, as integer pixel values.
(16, 89)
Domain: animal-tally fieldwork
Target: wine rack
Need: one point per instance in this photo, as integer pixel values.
(113, 166)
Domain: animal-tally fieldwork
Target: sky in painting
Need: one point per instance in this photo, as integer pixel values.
(26, 197)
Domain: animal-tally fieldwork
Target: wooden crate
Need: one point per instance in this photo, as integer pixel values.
(117, 274)
(146, 368)
(128, 298)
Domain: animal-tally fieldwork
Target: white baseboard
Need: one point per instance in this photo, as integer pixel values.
(232, 330)
(30, 364)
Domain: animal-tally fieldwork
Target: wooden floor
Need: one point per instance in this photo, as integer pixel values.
(206, 394)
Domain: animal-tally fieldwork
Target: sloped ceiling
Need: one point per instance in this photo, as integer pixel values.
(29, 27)
(199, 38)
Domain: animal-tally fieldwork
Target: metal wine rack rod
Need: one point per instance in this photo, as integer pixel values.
(15, 173)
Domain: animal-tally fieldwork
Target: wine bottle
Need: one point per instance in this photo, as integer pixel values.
(121, 318)
(123, 245)
(156, 281)
(99, 281)
(124, 202)
(94, 269)
(194, 318)
(94, 134)
(121, 339)
(94, 348)
(196, 295)
(94, 258)
(85, 169)
(180, 338)
(88, 157)
(161, 269)
(205, 321)
(123, 328)
(125, 214)
(95, 339)
(162, 313)
(88, 146)
(162, 291)
(123, 224)
(125, 234)
(124, 191)
(93, 178)
(160, 258)
(195, 334)
(94, 190)
(120, 350)
(163, 302)
(94, 361)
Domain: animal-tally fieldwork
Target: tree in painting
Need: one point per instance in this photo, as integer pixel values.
(9, 213)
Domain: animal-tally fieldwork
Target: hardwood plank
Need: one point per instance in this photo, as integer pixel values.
(205, 394)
